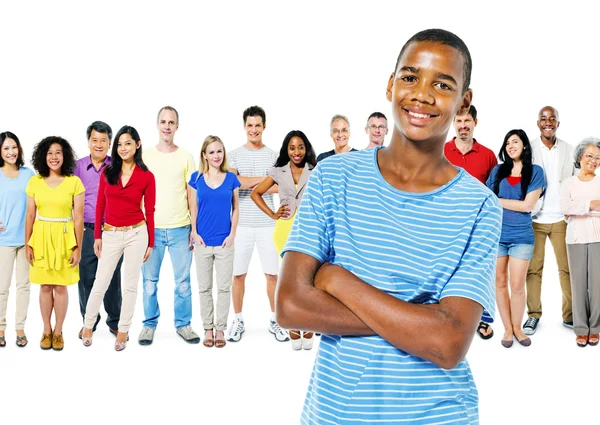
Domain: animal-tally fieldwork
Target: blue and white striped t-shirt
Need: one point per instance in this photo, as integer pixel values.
(418, 247)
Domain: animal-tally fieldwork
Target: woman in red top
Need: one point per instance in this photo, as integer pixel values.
(126, 229)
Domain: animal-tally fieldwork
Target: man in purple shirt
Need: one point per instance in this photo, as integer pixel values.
(89, 169)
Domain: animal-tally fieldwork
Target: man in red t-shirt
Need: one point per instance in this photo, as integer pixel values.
(463, 151)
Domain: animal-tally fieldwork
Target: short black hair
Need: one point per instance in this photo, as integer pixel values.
(376, 115)
(255, 111)
(447, 38)
(100, 127)
(40, 151)
(8, 135)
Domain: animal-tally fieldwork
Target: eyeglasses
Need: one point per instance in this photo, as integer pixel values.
(592, 158)
(373, 127)
(338, 131)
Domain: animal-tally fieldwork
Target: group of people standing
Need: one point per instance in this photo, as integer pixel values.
(543, 197)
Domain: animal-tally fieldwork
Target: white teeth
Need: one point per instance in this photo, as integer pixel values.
(417, 115)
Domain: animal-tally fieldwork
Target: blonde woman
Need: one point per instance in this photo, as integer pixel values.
(213, 196)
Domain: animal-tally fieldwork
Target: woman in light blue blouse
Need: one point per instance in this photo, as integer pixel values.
(13, 204)
(518, 184)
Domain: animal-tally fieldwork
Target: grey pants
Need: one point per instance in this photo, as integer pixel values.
(584, 264)
(222, 258)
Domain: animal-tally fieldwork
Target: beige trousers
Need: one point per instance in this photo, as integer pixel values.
(133, 244)
(222, 259)
(557, 233)
(11, 256)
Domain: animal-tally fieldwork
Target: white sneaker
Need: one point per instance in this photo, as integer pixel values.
(307, 343)
(235, 330)
(281, 335)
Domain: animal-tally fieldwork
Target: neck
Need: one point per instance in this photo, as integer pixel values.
(128, 165)
(464, 145)
(166, 145)
(55, 174)
(372, 144)
(97, 162)
(416, 157)
(293, 166)
(342, 150)
(548, 142)
(213, 171)
(254, 145)
(10, 167)
(587, 173)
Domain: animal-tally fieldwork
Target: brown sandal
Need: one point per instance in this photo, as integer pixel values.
(220, 342)
(209, 342)
(593, 339)
(582, 340)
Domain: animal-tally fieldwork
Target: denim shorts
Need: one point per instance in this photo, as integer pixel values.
(523, 251)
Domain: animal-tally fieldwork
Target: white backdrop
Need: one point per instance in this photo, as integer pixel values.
(66, 64)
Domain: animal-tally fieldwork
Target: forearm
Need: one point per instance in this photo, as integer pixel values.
(273, 189)
(434, 332)
(249, 182)
(234, 221)
(514, 205)
(299, 305)
(260, 203)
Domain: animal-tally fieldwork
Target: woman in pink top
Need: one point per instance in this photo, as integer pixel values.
(580, 202)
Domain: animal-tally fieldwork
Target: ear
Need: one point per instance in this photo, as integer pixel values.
(139, 144)
(390, 85)
(465, 103)
(475, 123)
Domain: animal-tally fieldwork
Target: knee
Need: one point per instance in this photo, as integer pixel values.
(60, 290)
(239, 280)
(517, 288)
(150, 287)
(46, 289)
(501, 281)
(183, 289)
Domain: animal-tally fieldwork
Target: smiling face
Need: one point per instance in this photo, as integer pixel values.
(548, 122)
(340, 133)
(514, 147)
(296, 150)
(10, 151)
(214, 154)
(254, 128)
(98, 144)
(377, 129)
(126, 147)
(590, 159)
(167, 125)
(54, 158)
(426, 91)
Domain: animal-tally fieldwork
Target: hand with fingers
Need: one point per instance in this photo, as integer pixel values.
(282, 212)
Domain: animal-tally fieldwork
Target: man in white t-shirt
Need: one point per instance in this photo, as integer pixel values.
(556, 158)
(251, 162)
(172, 167)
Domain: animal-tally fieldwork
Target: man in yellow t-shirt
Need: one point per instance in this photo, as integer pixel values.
(172, 167)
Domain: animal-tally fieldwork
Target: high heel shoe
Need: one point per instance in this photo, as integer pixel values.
(307, 343)
(120, 345)
(296, 343)
(87, 340)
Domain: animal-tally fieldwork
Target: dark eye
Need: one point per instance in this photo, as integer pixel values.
(408, 78)
(443, 86)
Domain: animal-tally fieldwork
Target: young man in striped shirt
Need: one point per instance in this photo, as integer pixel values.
(251, 162)
(392, 258)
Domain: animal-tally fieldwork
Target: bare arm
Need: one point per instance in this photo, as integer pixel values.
(522, 206)
(299, 305)
(440, 333)
(193, 206)
(29, 219)
(235, 215)
(247, 182)
(256, 195)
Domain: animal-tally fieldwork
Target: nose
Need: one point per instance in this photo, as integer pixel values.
(422, 92)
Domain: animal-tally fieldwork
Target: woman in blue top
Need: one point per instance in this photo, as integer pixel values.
(213, 198)
(13, 204)
(518, 184)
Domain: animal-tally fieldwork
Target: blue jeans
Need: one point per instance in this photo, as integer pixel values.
(521, 251)
(178, 242)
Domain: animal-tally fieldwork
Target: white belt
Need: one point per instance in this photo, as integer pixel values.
(56, 220)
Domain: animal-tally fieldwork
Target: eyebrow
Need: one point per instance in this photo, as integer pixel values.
(439, 75)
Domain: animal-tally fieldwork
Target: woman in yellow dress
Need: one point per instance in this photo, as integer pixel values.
(54, 235)
(296, 160)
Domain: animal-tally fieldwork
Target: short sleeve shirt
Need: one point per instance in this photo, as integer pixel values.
(516, 225)
(214, 208)
(418, 247)
(13, 205)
